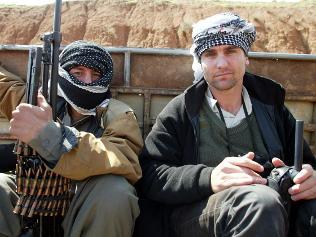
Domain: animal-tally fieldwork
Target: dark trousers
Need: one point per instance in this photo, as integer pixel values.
(254, 210)
(8, 158)
(303, 219)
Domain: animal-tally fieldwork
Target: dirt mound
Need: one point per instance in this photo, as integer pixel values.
(158, 24)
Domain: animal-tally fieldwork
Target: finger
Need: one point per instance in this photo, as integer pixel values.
(11, 127)
(16, 130)
(305, 195)
(26, 108)
(247, 163)
(240, 171)
(41, 101)
(250, 155)
(277, 162)
(248, 180)
(22, 108)
(307, 184)
(244, 179)
(247, 171)
(14, 113)
(305, 173)
(14, 123)
(232, 169)
(17, 118)
(26, 112)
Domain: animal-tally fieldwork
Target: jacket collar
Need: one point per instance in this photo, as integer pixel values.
(265, 90)
(193, 97)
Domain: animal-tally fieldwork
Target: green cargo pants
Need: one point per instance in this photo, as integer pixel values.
(104, 205)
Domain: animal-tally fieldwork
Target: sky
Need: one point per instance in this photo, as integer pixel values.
(43, 2)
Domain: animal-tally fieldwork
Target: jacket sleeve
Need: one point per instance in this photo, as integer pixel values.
(169, 176)
(12, 90)
(116, 152)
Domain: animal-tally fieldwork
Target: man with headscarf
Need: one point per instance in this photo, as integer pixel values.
(203, 160)
(96, 144)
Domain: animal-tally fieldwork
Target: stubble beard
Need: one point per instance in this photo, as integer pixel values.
(223, 85)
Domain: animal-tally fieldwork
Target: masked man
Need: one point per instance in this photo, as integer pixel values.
(96, 145)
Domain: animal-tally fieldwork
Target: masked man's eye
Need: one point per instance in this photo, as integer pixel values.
(76, 73)
(97, 75)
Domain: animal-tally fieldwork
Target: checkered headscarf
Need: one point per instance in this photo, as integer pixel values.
(221, 29)
(85, 97)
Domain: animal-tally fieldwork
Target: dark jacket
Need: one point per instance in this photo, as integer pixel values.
(172, 174)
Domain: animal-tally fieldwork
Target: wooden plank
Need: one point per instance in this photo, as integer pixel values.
(310, 127)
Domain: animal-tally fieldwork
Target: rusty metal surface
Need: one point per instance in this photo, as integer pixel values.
(154, 70)
(297, 77)
(147, 79)
(148, 118)
(163, 71)
(15, 61)
(118, 69)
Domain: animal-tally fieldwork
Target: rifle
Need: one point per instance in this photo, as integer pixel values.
(43, 195)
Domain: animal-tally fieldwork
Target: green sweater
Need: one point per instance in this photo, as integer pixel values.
(213, 144)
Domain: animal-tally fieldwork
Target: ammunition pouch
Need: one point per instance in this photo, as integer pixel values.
(41, 191)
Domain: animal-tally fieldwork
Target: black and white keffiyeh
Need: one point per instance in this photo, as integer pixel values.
(221, 29)
(85, 97)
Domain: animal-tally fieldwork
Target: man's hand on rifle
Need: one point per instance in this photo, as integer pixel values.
(28, 120)
(305, 182)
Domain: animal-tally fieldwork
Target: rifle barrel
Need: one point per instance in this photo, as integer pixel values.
(57, 16)
(55, 57)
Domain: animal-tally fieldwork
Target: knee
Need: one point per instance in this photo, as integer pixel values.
(255, 210)
(266, 197)
(261, 200)
(7, 185)
(113, 194)
(5, 180)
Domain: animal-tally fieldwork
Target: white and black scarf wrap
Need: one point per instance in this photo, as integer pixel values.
(85, 97)
(221, 29)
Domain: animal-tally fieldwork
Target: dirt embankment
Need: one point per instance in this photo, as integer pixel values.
(281, 27)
